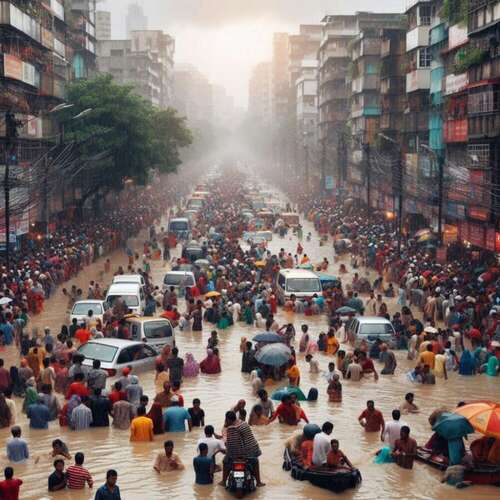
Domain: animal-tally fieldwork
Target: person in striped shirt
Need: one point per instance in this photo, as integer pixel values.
(81, 417)
(77, 475)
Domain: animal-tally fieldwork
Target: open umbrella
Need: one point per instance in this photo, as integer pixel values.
(276, 354)
(260, 263)
(484, 416)
(346, 310)
(452, 426)
(307, 266)
(268, 337)
(209, 295)
(5, 300)
(279, 393)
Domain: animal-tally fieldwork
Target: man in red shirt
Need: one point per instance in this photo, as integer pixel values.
(367, 366)
(83, 334)
(78, 475)
(371, 419)
(9, 488)
(78, 387)
(288, 413)
(117, 394)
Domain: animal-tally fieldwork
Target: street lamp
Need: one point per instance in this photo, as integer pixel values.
(399, 186)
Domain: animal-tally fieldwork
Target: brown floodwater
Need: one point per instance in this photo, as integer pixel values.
(106, 448)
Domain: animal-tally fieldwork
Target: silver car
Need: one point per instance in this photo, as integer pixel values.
(116, 354)
(371, 328)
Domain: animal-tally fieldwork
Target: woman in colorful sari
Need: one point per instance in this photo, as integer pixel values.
(332, 344)
(191, 367)
(211, 364)
(31, 395)
(467, 365)
(156, 415)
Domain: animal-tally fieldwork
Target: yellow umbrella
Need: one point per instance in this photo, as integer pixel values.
(209, 295)
(484, 416)
(260, 263)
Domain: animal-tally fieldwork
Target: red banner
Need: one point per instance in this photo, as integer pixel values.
(490, 239)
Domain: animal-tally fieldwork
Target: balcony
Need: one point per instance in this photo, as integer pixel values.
(16, 69)
(456, 83)
(416, 122)
(367, 82)
(457, 36)
(393, 86)
(368, 110)
(484, 126)
(438, 34)
(488, 70)
(10, 15)
(411, 3)
(52, 87)
(417, 37)
(390, 121)
(455, 131)
(418, 79)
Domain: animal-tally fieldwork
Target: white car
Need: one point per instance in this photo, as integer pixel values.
(116, 354)
(179, 280)
(81, 309)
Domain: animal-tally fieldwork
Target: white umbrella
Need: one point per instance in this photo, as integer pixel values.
(5, 300)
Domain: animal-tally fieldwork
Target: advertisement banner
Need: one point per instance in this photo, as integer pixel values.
(490, 239)
(12, 67)
(476, 235)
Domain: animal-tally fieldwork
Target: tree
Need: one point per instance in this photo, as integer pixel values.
(126, 133)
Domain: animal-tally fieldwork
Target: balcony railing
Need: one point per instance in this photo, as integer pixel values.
(487, 125)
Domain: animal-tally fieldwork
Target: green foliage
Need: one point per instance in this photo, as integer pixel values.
(467, 57)
(455, 11)
(136, 135)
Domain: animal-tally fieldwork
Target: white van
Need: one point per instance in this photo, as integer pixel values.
(157, 332)
(180, 226)
(299, 282)
(131, 293)
(179, 280)
(130, 278)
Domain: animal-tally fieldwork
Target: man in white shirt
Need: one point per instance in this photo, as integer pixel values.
(392, 430)
(322, 444)
(214, 445)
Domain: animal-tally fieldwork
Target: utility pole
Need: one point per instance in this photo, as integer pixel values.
(323, 166)
(11, 133)
(368, 171)
(400, 199)
(440, 165)
(306, 152)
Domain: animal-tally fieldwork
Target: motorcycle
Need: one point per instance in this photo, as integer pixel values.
(241, 479)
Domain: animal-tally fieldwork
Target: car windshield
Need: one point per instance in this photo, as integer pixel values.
(195, 203)
(83, 309)
(375, 329)
(309, 285)
(178, 225)
(130, 300)
(102, 352)
(178, 280)
(157, 329)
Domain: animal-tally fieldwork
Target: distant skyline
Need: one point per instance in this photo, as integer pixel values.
(225, 39)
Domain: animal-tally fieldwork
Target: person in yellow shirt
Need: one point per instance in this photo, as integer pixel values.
(293, 374)
(427, 357)
(141, 428)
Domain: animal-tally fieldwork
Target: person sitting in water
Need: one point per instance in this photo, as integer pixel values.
(336, 458)
(288, 413)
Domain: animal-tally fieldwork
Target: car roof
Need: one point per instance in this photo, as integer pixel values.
(372, 319)
(298, 273)
(115, 342)
(123, 287)
(89, 301)
(180, 272)
(123, 277)
(145, 319)
(179, 219)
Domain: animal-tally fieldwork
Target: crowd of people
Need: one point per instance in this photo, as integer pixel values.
(447, 322)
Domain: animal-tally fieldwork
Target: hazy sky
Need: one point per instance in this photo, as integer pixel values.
(225, 38)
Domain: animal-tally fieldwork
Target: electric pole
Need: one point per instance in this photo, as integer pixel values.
(368, 169)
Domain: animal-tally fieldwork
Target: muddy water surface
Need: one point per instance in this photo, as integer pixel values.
(105, 448)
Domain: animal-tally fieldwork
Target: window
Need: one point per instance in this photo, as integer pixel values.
(136, 332)
(306, 285)
(157, 329)
(479, 155)
(102, 352)
(425, 15)
(83, 308)
(424, 58)
(116, 53)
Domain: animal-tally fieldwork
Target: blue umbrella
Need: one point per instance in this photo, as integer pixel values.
(268, 337)
(346, 310)
(452, 426)
(284, 391)
(273, 354)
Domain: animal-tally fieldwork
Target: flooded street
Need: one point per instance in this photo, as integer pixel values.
(109, 447)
